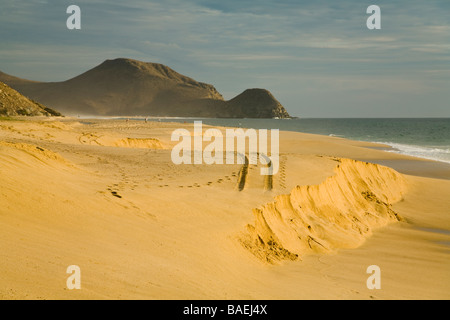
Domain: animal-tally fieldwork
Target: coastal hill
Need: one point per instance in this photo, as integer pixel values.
(12, 103)
(251, 100)
(126, 87)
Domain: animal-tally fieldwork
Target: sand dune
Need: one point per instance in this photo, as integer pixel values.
(145, 143)
(338, 213)
(13, 153)
(141, 227)
(139, 143)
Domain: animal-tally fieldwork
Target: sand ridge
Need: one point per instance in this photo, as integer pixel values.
(14, 152)
(338, 213)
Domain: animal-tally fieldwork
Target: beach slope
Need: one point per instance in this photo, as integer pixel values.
(104, 195)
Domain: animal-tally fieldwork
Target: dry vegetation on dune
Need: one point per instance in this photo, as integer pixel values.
(12, 103)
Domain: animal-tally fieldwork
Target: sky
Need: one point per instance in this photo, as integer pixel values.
(318, 58)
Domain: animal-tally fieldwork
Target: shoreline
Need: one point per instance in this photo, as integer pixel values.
(417, 167)
(383, 146)
(406, 163)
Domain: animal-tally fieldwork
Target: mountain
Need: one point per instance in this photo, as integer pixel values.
(126, 87)
(251, 101)
(12, 103)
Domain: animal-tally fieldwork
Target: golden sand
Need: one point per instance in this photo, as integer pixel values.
(106, 197)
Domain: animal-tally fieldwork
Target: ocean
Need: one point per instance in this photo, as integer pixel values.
(427, 138)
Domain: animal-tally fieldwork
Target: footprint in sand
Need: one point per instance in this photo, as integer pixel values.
(115, 194)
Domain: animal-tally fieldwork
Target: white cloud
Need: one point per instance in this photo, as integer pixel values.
(237, 44)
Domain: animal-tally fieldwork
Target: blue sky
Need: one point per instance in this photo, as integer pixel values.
(317, 57)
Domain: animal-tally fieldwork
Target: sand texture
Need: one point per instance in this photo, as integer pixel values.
(338, 213)
(104, 195)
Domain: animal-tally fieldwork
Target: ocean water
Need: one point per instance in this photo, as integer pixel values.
(427, 138)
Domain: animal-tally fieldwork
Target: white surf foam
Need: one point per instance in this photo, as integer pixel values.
(426, 152)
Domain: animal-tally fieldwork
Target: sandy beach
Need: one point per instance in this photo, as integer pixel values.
(104, 195)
